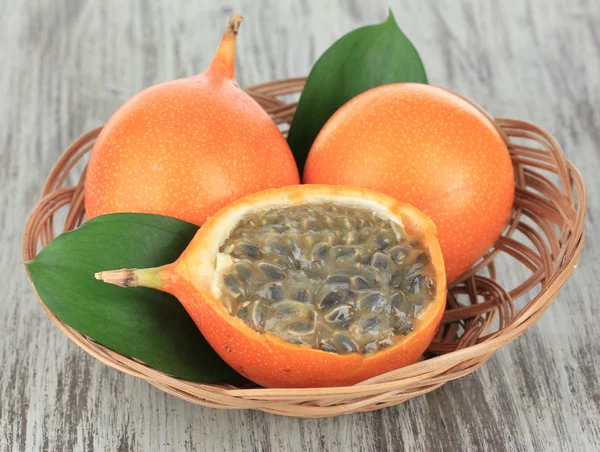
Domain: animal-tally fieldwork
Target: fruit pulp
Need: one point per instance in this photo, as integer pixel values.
(338, 278)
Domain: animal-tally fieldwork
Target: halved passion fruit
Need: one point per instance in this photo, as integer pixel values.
(309, 285)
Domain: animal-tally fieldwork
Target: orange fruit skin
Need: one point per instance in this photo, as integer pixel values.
(267, 359)
(431, 148)
(187, 147)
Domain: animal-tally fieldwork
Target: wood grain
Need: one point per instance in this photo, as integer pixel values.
(68, 65)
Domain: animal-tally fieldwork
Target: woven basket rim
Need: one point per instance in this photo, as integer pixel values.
(568, 206)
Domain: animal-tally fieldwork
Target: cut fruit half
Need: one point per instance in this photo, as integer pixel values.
(309, 285)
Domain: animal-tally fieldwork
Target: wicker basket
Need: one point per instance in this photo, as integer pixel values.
(545, 235)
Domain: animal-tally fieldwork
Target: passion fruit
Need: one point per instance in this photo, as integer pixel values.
(429, 147)
(309, 286)
(185, 148)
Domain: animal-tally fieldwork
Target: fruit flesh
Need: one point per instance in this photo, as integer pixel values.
(336, 278)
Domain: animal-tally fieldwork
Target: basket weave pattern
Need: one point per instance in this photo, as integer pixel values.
(545, 234)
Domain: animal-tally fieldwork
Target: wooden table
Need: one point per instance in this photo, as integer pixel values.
(67, 65)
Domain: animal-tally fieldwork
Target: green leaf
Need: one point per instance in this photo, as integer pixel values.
(142, 323)
(363, 59)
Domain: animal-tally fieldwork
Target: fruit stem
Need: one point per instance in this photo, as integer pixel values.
(223, 62)
(155, 278)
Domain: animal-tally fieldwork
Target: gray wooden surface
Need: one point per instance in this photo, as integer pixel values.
(65, 66)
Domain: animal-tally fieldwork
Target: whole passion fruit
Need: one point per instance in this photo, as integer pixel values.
(431, 148)
(309, 286)
(185, 148)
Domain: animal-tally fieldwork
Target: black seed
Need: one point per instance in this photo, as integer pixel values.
(244, 270)
(248, 272)
(331, 299)
(374, 302)
(383, 239)
(342, 313)
(417, 306)
(243, 314)
(233, 284)
(308, 224)
(400, 319)
(258, 312)
(422, 258)
(348, 295)
(345, 344)
(400, 306)
(285, 309)
(271, 271)
(246, 249)
(303, 295)
(398, 253)
(401, 322)
(293, 244)
(370, 274)
(345, 253)
(285, 262)
(320, 252)
(414, 271)
(430, 286)
(399, 280)
(327, 345)
(279, 247)
(386, 342)
(343, 280)
(404, 329)
(380, 261)
(370, 347)
(415, 285)
(275, 292)
(361, 283)
(343, 326)
(370, 325)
